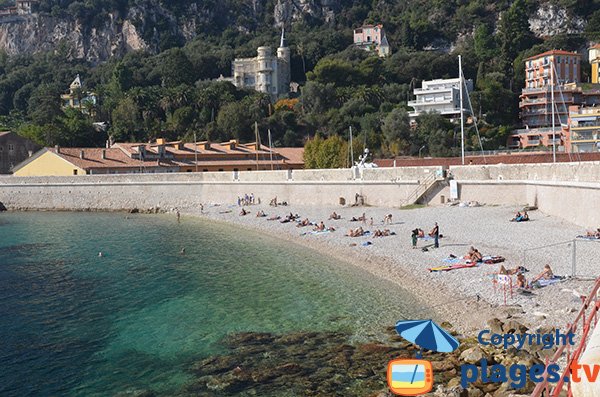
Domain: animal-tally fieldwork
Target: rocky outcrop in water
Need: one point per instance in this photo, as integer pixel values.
(327, 364)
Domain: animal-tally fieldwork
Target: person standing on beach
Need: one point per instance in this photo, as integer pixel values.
(435, 233)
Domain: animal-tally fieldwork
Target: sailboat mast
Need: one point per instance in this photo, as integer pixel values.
(553, 121)
(270, 148)
(462, 116)
(351, 150)
(256, 146)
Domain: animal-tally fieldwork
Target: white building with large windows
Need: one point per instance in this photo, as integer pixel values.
(441, 96)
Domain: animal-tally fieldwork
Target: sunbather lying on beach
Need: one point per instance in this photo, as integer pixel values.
(593, 233)
(383, 233)
(244, 212)
(362, 218)
(260, 214)
(520, 217)
(303, 223)
(356, 232)
(516, 270)
(334, 216)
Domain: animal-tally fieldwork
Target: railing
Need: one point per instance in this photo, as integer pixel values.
(424, 185)
(588, 321)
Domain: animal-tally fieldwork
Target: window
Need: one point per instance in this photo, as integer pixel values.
(220, 169)
(236, 169)
(74, 172)
(249, 169)
(11, 147)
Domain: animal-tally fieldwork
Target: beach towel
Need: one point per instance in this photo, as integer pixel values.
(366, 243)
(452, 260)
(588, 238)
(315, 232)
(544, 283)
(447, 268)
(488, 259)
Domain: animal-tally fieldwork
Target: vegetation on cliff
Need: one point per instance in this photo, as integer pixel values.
(171, 93)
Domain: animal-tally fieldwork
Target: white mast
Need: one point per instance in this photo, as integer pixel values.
(553, 121)
(462, 116)
(196, 150)
(351, 150)
(271, 149)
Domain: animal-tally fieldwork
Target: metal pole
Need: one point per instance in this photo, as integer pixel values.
(462, 116)
(270, 146)
(553, 121)
(196, 150)
(574, 259)
(351, 150)
(256, 146)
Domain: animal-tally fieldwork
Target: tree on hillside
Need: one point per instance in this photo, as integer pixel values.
(514, 34)
(396, 132)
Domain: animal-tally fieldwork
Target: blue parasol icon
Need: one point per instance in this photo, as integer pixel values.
(427, 335)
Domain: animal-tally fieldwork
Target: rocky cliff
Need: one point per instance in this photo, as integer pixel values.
(154, 25)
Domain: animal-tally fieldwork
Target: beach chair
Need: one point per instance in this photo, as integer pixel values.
(505, 282)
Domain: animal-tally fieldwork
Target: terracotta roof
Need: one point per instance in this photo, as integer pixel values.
(115, 158)
(294, 155)
(120, 156)
(554, 52)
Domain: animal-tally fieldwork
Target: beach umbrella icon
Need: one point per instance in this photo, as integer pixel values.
(427, 335)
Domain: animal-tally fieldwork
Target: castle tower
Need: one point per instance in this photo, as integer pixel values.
(264, 69)
(283, 61)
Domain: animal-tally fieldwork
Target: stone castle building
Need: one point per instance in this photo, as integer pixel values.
(21, 7)
(266, 73)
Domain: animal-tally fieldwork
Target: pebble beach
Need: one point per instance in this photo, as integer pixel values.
(466, 298)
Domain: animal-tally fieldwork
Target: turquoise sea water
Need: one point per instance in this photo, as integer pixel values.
(76, 324)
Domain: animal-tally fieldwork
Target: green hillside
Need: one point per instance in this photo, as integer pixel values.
(167, 90)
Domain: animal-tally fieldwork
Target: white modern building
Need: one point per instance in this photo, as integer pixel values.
(266, 73)
(441, 96)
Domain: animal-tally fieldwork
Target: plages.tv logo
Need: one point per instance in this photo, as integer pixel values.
(413, 377)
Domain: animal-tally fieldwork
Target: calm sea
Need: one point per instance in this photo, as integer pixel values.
(76, 324)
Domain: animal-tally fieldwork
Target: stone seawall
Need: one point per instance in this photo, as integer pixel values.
(385, 187)
(567, 190)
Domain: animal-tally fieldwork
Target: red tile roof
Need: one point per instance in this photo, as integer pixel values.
(554, 52)
(115, 158)
(124, 155)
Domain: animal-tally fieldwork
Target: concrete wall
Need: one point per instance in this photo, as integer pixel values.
(567, 190)
(124, 191)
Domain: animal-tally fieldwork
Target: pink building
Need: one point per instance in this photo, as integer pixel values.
(372, 38)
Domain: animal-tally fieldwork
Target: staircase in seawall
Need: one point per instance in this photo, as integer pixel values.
(423, 189)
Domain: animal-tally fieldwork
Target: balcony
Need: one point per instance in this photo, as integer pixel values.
(533, 142)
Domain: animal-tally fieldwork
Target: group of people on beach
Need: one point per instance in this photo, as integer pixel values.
(247, 199)
(419, 233)
(520, 217)
(521, 281)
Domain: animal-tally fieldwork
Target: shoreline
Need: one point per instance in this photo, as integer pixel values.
(462, 298)
(467, 303)
(385, 269)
